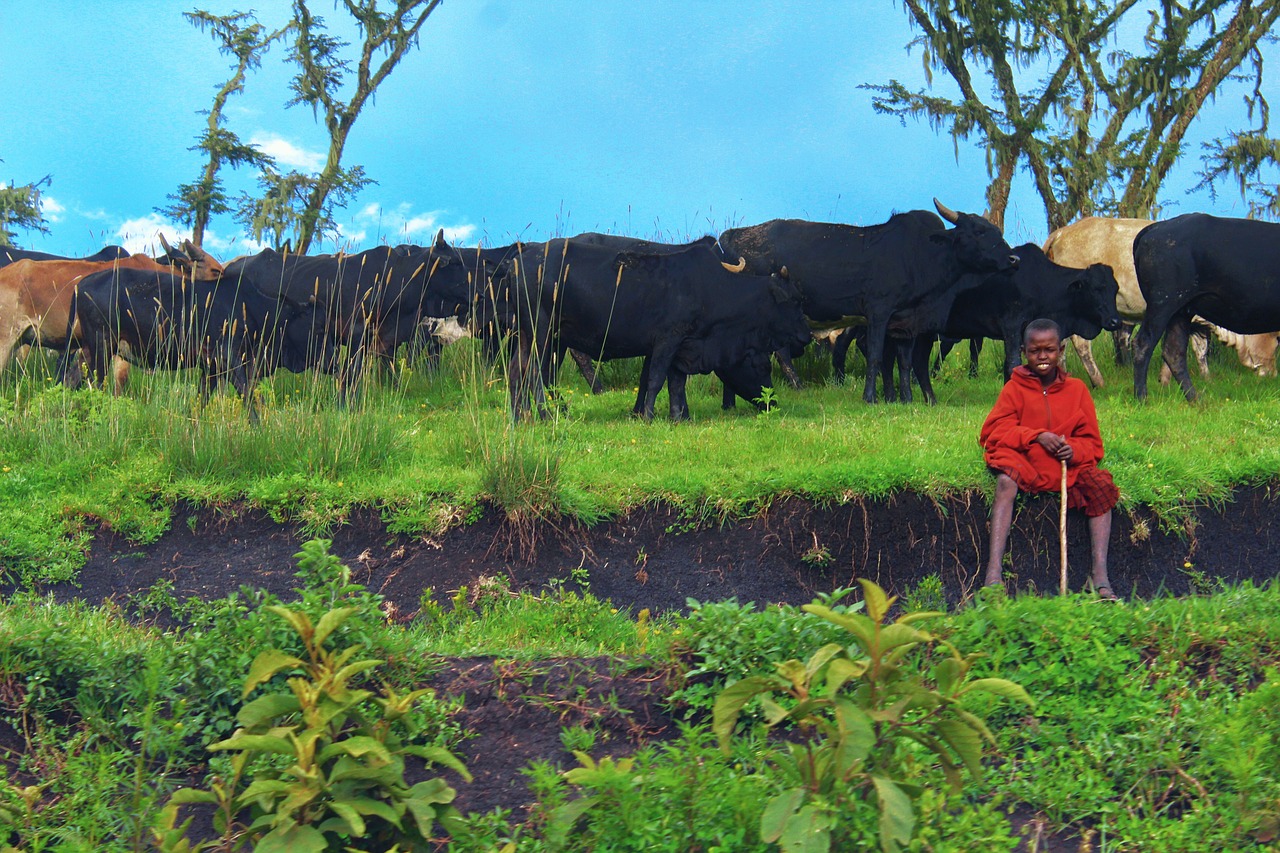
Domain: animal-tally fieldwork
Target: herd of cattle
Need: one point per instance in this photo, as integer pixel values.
(726, 306)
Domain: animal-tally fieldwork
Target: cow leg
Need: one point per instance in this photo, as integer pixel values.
(1175, 354)
(901, 358)
(1123, 339)
(1084, 349)
(659, 367)
(588, 371)
(728, 399)
(975, 350)
(1200, 346)
(840, 354)
(677, 402)
(642, 389)
(518, 375)
(920, 351)
(945, 345)
(1144, 345)
(877, 331)
(788, 369)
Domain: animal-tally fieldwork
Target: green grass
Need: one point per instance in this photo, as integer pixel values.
(425, 449)
(1156, 725)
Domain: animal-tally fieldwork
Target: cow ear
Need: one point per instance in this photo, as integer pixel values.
(1077, 283)
(784, 274)
(780, 294)
(440, 241)
(941, 237)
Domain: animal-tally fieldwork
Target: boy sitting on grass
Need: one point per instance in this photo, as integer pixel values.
(1042, 418)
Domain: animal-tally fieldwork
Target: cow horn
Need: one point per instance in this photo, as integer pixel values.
(440, 241)
(738, 267)
(946, 212)
(168, 250)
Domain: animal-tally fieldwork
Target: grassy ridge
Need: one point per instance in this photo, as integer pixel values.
(426, 447)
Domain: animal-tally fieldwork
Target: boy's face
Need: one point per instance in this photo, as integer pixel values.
(1042, 352)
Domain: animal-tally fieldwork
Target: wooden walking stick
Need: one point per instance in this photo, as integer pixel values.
(1062, 530)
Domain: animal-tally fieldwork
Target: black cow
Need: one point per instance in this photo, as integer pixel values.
(1224, 270)
(1081, 302)
(905, 271)
(9, 255)
(683, 311)
(373, 301)
(224, 327)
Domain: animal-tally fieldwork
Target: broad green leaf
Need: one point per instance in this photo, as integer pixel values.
(295, 839)
(878, 603)
(370, 806)
(264, 666)
(343, 675)
(266, 787)
(773, 820)
(917, 616)
(819, 658)
(858, 734)
(945, 674)
(256, 743)
(807, 831)
(267, 708)
(898, 634)
(357, 746)
(439, 755)
(841, 671)
(563, 818)
(999, 686)
(352, 818)
(330, 621)
(773, 712)
(794, 672)
(185, 796)
(897, 817)
(435, 791)
(965, 741)
(300, 621)
(730, 702)
(862, 628)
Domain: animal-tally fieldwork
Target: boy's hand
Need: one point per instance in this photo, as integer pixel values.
(1056, 445)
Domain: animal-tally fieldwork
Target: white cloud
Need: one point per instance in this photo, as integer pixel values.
(286, 153)
(401, 224)
(50, 208)
(141, 234)
(224, 249)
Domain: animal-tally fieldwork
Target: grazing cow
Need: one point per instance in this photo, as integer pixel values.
(1110, 241)
(1225, 270)
(373, 301)
(223, 327)
(905, 271)
(9, 255)
(35, 296)
(683, 311)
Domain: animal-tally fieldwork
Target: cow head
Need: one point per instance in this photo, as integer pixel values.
(749, 377)
(192, 261)
(1095, 290)
(448, 286)
(978, 245)
(792, 332)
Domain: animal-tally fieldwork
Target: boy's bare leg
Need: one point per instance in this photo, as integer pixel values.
(1001, 520)
(1099, 538)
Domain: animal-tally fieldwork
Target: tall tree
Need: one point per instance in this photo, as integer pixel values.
(20, 207)
(320, 80)
(241, 36)
(1246, 158)
(1097, 126)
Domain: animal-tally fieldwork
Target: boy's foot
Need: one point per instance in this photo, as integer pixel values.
(1105, 593)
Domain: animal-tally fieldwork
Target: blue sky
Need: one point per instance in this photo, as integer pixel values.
(659, 119)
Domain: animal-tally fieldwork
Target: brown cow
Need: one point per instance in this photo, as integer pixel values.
(1096, 239)
(35, 296)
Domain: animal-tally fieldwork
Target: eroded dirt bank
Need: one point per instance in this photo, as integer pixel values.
(656, 558)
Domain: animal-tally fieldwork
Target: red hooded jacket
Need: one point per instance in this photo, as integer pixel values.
(1024, 409)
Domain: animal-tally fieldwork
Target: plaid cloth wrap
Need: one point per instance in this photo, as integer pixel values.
(1094, 491)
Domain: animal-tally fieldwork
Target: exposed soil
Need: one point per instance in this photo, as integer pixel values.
(657, 558)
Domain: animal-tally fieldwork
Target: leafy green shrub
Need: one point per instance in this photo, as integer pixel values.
(345, 749)
(865, 709)
(725, 641)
